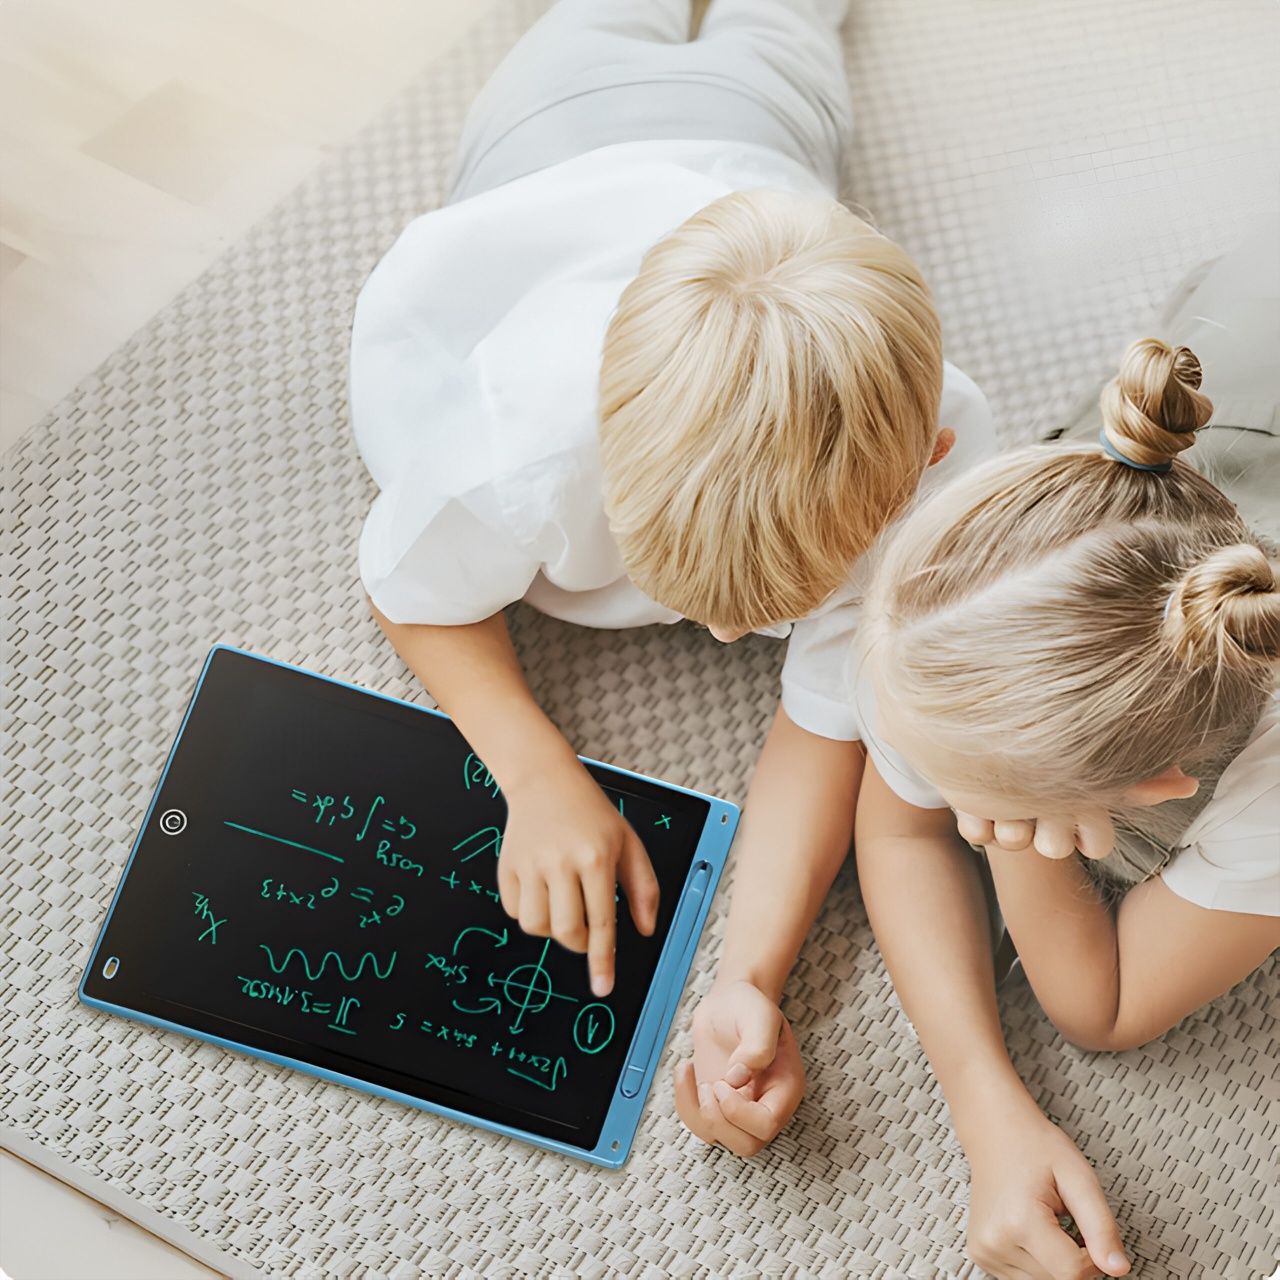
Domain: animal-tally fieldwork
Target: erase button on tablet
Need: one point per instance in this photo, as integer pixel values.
(632, 1080)
(173, 822)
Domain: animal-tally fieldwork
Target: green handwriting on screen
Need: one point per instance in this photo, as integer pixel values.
(376, 915)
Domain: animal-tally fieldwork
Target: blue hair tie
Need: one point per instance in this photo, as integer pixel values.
(1112, 452)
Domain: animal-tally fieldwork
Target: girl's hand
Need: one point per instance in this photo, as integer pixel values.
(564, 850)
(746, 1079)
(1023, 1179)
(1089, 832)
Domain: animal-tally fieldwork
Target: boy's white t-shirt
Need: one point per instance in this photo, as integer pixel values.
(475, 359)
(1228, 858)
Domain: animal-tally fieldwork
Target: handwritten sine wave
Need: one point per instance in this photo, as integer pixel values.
(315, 972)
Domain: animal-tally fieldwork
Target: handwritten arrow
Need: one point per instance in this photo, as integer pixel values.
(501, 937)
(491, 1005)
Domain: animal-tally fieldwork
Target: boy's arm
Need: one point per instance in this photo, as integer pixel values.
(796, 830)
(474, 674)
(1114, 979)
(746, 1079)
(924, 898)
(564, 842)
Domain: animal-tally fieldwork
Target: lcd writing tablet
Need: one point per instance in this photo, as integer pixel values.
(315, 883)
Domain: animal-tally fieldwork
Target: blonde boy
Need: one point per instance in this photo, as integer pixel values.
(643, 366)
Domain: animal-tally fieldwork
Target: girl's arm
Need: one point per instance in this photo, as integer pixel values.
(1114, 979)
(746, 1080)
(924, 897)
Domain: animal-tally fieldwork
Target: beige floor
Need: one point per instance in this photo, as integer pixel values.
(138, 138)
(92, 1242)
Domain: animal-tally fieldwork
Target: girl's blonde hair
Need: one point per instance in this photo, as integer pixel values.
(1056, 626)
(768, 400)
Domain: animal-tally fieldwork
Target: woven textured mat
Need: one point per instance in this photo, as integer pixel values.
(202, 486)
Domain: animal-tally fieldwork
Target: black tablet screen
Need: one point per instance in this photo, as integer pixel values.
(318, 880)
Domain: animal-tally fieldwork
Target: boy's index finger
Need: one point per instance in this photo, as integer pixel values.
(602, 931)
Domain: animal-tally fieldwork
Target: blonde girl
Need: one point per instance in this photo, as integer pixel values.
(1062, 630)
(1066, 628)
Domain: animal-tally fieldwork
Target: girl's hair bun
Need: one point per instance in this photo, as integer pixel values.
(1153, 407)
(1226, 609)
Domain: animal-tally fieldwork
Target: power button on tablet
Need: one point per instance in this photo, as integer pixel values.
(632, 1080)
(173, 822)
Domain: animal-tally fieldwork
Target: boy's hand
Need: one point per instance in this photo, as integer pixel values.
(1090, 832)
(1025, 1175)
(746, 1078)
(564, 849)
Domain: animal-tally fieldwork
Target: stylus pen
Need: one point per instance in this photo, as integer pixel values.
(633, 1076)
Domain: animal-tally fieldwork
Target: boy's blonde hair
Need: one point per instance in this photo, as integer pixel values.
(768, 400)
(1056, 626)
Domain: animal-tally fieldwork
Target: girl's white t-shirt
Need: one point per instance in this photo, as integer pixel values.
(1228, 858)
(475, 358)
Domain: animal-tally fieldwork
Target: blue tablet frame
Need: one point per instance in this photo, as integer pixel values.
(618, 1132)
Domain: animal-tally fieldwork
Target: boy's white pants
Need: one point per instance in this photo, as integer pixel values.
(591, 73)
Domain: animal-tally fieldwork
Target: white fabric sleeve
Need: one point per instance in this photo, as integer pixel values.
(1237, 866)
(816, 693)
(437, 546)
(898, 775)
(443, 561)
(964, 409)
(822, 693)
(413, 376)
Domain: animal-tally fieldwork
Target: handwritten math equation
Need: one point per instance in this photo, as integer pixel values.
(324, 809)
(329, 810)
(540, 1069)
(394, 835)
(278, 891)
(481, 990)
(262, 989)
